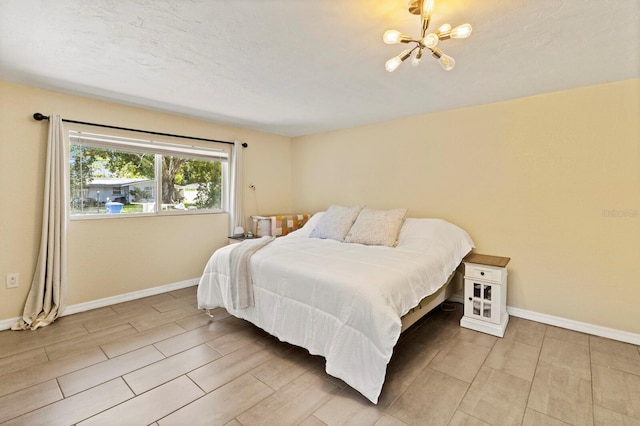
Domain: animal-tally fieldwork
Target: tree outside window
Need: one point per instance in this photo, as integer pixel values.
(186, 182)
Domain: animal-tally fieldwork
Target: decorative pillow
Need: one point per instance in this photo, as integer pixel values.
(336, 222)
(286, 224)
(377, 227)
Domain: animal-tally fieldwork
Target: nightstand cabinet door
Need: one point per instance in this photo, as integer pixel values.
(482, 300)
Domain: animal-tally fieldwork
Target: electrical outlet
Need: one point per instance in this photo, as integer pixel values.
(12, 280)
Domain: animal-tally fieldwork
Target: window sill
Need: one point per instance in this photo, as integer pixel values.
(162, 213)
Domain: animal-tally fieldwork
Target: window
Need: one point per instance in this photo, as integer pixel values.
(117, 175)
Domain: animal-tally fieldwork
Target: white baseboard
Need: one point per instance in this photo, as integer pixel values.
(107, 301)
(7, 323)
(609, 333)
(596, 330)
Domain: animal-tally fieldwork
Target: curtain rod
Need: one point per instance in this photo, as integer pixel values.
(39, 117)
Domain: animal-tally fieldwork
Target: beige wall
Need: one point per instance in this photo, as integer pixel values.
(532, 179)
(140, 253)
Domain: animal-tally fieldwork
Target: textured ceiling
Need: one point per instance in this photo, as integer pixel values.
(297, 67)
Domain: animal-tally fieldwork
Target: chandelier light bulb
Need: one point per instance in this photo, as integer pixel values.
(444, 28)
(462, 31)
(427, 7)
(392, 36)
(447, 62)
(417, 58)
(430, 40)
(395, 62)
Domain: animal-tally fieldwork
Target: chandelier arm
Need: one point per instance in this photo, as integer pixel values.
(415, 47)
(425, 25)
(404, 38)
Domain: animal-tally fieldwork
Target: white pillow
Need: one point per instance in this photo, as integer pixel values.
(423, 234)
(336, 222)
(377, 227)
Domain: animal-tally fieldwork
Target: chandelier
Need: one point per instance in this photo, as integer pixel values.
(426, 41)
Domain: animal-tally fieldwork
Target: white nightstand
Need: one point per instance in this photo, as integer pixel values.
(485, 294)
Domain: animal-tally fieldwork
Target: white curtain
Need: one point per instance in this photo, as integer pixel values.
(47, 296)
(236, 213)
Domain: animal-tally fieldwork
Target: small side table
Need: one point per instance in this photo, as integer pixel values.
(485, 293)
(234, 239)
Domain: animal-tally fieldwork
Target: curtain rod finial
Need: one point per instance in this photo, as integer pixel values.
(244, 145)
(39, 117)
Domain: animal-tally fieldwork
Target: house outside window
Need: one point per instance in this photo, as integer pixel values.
(112, 174)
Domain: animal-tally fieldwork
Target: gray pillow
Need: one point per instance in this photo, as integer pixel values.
(336, 222)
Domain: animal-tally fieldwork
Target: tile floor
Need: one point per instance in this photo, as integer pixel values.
(160, 361)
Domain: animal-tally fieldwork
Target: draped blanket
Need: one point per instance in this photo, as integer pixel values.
(241, 284)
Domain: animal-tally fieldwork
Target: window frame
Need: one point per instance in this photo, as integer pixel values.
(159, 146)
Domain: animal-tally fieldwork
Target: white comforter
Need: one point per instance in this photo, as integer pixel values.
(342, 301)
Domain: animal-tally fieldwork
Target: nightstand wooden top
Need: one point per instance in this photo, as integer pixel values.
(486, 259)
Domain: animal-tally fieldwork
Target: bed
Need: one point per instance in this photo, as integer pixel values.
(343, 301)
